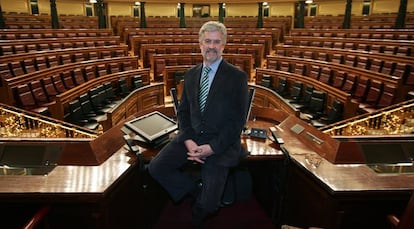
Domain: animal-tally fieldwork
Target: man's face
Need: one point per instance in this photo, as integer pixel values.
(211, 46)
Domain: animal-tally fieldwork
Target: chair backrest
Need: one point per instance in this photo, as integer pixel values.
(57, 81)
(361, 89)
(296, 91)
(308, 94)
(374, 92)
(38, 92)
(335, 114)
(283, 87)
(49, 87)
(387, 97)
(339, 79)
(123, 87)
(67, 79)
(266, 81)
(136, 82)
(25, 97)
(349, 84)
(317, 101)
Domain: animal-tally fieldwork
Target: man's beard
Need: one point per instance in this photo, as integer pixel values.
(211, 51)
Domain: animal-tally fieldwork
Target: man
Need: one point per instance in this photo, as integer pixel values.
(209, 131)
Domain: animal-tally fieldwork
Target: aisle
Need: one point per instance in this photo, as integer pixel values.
(242, 215)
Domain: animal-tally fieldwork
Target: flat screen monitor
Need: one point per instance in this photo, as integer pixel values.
(152, 126)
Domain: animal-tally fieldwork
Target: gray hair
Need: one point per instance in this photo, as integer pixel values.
(212, 26)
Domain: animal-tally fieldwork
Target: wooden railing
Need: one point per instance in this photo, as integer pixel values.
(397, 119)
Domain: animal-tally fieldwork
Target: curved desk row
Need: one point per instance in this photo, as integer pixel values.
(317, 191)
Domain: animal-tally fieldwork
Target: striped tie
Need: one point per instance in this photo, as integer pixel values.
(204, 88)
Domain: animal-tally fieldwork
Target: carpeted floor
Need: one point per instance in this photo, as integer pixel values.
(241, 215)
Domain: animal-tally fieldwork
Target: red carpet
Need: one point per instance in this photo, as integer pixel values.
(241, 215)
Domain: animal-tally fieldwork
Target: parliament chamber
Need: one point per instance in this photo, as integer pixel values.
(333, 89)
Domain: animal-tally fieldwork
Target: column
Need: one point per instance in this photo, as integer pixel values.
(260, 15)
(347, 17)
(54, 15)
(182, 15)
(2, 24)
(402, 11)
(301, 15)
(142, 14)
(101, 17)
(221, 13)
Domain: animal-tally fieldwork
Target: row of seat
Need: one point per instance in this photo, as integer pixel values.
(17, 34)
(25, 64)
(388, 64)
(309, 101)
(369, 45)
(391, 34)
(128, 33)
(370, 94)
(38, 94)
(159, 61)
(90, 108)
(34, 45)
(147, 50)
(33, 22)
(314, 69)
(137, 41)
(354, 25)
(281, 24)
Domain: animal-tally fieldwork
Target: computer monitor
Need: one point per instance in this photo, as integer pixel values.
(152, 126)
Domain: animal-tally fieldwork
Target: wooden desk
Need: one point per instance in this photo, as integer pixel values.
(325, 195)
(102, 196)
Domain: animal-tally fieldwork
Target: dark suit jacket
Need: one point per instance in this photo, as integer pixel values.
(224, 117)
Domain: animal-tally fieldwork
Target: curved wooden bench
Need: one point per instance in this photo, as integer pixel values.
(59, 108)
(6, 90)
(398, 34)
(53, 33)
(396, 82)
(136, 41)
(30, 62)
(362, 44)
(128, 32)
(159, 61)
(39, 44)
(257, 50)
(403, 64)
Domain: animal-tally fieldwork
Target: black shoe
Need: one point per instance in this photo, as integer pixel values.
(198, 217)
